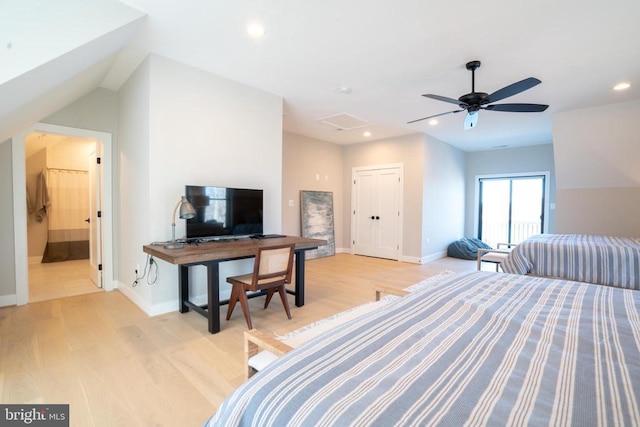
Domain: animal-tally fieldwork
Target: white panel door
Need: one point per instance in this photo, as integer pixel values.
(364, 213)
(95, 223)
(376, 212)
(388, 213)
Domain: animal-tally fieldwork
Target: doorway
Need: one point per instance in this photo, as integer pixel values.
(102, 192)
(511, 208)
(62, 179)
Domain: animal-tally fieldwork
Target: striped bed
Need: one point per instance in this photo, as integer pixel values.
(613, 261)
(470, 349)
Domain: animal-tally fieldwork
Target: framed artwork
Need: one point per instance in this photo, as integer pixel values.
(317, 221)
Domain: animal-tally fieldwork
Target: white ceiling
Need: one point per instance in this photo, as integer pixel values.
(389, 53)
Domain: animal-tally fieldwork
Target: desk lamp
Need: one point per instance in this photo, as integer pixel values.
(186, 212)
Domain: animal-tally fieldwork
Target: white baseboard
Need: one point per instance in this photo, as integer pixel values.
(410, 259)
(433, 257)
(163, 308)
(7, 300)
(149, 309)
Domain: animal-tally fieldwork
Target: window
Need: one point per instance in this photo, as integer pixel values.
(511, 208)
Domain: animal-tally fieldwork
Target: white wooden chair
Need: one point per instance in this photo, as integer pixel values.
(495, 256)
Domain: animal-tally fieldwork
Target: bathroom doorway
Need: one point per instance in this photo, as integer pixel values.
(63, 184)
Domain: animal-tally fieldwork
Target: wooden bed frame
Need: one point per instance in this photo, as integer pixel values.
(256, 341)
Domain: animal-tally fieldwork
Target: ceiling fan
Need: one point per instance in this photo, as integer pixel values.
(473, 102)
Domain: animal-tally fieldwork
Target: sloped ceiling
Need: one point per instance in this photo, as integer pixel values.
(386, 53)
(54, 52)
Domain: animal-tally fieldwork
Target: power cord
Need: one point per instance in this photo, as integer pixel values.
(152, 266)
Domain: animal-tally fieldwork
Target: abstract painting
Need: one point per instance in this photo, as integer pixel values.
(317, 221)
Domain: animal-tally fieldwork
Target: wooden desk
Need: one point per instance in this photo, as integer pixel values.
(210, 254)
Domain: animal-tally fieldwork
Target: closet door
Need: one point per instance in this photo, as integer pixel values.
(376, 212)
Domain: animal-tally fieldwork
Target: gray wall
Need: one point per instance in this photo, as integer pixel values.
(433, 184)
(536, 158)
(304, 160)
(7, 253)
(408, 150)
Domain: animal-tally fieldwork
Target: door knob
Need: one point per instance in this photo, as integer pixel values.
(373, 217)
(377, 217)
(88, 220)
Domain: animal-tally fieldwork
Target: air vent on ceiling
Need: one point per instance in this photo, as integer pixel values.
(343, 121)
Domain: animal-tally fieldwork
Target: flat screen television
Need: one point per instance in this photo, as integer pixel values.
(224, 212)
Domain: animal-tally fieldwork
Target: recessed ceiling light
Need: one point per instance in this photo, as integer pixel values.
(367, 134)
(256, 30)
(622, 86)
(433, 122)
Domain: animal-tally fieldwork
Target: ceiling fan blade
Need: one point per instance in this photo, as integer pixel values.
(512, 89)
(437, 115)
(445, 99)
(471, 120)
(517, 108)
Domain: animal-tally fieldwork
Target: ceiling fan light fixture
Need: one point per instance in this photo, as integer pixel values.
(471, 120)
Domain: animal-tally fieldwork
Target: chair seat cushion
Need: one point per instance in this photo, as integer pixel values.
(494, 257)
(246, 280)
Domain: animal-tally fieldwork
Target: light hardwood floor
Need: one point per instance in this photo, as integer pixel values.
(60, 279)
(115, 366)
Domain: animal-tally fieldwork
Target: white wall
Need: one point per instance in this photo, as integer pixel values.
(443, 199)
(133, 158)
(596, 153)
(179, 126)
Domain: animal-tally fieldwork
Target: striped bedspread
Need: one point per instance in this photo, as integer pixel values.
(472, 349)
(613, 261)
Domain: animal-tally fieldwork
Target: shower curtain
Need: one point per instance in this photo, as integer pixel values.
(68, 231)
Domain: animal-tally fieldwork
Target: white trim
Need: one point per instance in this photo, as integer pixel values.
(20, 220)
(19, 206)
(149, 309)
(377, 167)
(547, 180)
(8, 300)
(410, 259)
(433, 257)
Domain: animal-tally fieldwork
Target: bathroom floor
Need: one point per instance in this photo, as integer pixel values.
(60, 279)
